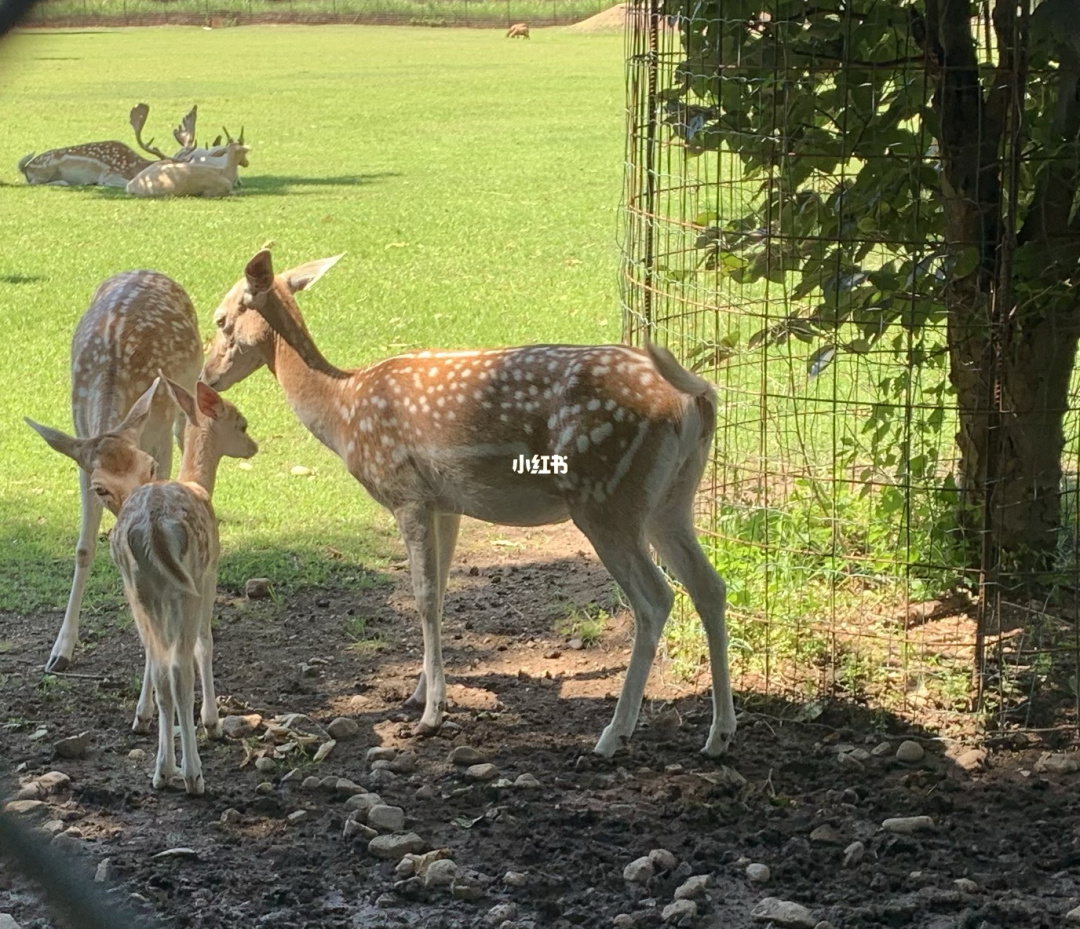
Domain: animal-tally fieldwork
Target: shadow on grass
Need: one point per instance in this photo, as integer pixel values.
(283, 183)
(22, 278)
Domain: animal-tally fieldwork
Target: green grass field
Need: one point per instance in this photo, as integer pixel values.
(473, 183)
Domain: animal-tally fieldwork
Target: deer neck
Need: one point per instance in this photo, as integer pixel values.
(315, 390)
(200, 462)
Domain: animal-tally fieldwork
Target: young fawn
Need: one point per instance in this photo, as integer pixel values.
(434, 435)
(165, 544)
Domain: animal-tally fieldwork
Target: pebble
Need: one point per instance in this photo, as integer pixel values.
(639, 871)
(827, 834)
(230, 817)
(395, 846)
(1056, 763)
(663, 859)
(346, 788)
(853, 854)
(426, 792)
(363, 803)
(386, 900)
(301, 471)
(500, 912)
(264, 789)
(343, 728)
(265, 764)
(694, 887)
(481, 772)
(296, 817)
(354, 829)
(25, 806)
(64, 842)
(1073, 916)
(910, 752)
(526, 782)
(7, 921)
(678, 909)
(311, 783)
(104, 871)
(906, 825)
(882, 748)
(137, 755)
(258, 588)
(466, 890)
(53, 826)
(965, 885)
(380, 753)
(386, 818)
(41, 787)
(971, 760)
(188, 854)
(405, 763)
(624, 921)
(466, 755)
(758, 873)
(237, 727)
(440, 873)
(74, 746)
(783, 913)
(515, 879)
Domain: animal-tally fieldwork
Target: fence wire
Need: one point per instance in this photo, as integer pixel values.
(794, 230)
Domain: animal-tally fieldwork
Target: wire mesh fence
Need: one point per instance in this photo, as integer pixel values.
(223, 13)
(840, 214)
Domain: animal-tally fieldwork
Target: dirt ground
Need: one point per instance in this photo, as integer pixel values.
(1001, 848)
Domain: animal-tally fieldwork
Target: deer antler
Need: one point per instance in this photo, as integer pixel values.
(138, 120)
(185, 132)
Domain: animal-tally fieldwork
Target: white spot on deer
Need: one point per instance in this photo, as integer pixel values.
(609, 405)
(593, 404)
(583, 443)
(528, 430)
(600, 370)
(601, 432)
(565, 436)
(504, 417)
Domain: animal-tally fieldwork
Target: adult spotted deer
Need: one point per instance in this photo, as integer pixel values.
(138, 323)
(518, 30)
(433, 436)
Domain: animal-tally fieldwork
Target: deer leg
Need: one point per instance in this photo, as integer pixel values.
(204, 657)
(419, 530)
(182, 680)
(446, 525)
(64, 647)
(624, 553)
(165, 769)
(672, 533)
(144, 709)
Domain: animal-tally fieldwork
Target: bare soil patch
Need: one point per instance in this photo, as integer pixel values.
(532, 704)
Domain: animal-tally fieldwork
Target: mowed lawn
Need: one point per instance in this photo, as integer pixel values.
(473, 183)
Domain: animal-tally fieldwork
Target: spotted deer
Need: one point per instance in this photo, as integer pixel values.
(435, 435)
(518, 30)
(138, 322)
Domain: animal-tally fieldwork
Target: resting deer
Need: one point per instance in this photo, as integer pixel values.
(434, 435)
(110, 164)
(189, 179)
(138, 322)
(516, 30)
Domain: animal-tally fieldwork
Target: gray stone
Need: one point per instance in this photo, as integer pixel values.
(24, 807)
(362, 803)
(440, 873)
(854, 854)
(515, 879)
(258, 588)
(783, 913)
(1056, 763)
(179, 853)
(693, 888)
(624, 921)
(639, 871)
(910, 752)
(343, 728)
(311, 782)
(354, 829)
(7, 921)
(386, 818)
(758, 873)
(1073, 916)
(882, 748)
(104, 871)
(481, 772)
(230, 817)
(466, 755)
(395, 846)
(346, 788)
(526, 782)
(265, 764)
(965, 885)
(663, 859)
(296, 817)
(906, 825)
(466, 890)
(499, 913)
(827, 834)
(380, 753)
(75, 746)
(677, 909)
(237, 727)
(405, 763)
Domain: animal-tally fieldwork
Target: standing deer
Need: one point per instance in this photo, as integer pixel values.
(138, 322)
(434, 435)
(518, 30)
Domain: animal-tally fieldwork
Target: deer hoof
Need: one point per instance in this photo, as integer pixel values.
(57, 663)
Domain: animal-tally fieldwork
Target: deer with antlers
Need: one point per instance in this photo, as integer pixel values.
(435, 435)
(138, 322)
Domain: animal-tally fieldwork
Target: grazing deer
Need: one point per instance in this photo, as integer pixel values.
(516, 30)
(189, 179)
(435, 435)
(109, 164)
(166, 545)
(138, 322)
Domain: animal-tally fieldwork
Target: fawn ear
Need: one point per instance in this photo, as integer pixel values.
(303, 276)
(63, 443)
(183, 399)
(260, 272)
(133, 423)
(209, 400)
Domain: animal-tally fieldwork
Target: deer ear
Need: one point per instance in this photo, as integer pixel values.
(60, 441)
(303, 276)
(260, 272)
(183, 399)
(210, 402)
(133, 423)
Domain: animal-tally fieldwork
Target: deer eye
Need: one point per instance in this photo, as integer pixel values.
(101, 491)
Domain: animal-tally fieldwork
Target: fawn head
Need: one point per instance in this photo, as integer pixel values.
(241, 344)
(210, 411)
(113, 459)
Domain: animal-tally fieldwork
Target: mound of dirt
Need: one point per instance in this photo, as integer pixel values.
(610, 20)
